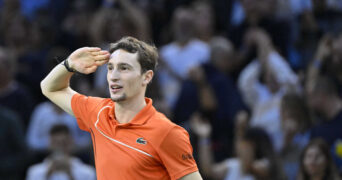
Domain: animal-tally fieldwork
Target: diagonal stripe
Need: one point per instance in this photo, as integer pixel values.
(114, 140)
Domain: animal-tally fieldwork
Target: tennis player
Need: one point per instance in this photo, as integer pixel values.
(131, 140)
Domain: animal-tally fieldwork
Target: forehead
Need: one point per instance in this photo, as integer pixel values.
(122, 56)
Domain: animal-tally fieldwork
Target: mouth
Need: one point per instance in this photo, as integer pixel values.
(115, 88)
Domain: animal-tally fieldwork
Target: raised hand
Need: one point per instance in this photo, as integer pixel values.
(86, 60)
(200, 127)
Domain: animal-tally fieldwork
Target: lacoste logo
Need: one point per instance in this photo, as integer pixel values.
(141, 141)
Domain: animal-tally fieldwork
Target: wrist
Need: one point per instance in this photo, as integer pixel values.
(68, 66)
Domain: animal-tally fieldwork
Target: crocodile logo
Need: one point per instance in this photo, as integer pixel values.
(141, 141)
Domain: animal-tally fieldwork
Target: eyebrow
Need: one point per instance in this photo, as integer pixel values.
(124, 64)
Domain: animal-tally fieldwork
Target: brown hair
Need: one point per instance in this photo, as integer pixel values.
(330, 171)
(147, 54)
(295, 104)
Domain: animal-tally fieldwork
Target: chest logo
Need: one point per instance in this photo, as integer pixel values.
(141, 141)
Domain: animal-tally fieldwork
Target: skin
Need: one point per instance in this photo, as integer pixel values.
(123, 70)
(315, 163)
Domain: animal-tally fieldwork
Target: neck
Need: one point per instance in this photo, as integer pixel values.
(126, 110)
(333, 108)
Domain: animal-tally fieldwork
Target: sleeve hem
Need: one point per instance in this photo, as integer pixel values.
(185, 172)
(80, 124)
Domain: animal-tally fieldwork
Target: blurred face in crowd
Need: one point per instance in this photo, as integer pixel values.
(204, 19)
(258, 8)
(222, 54)
(315, 101)
(183, 24)
(289, 120)
(61, 142)
(124, 76)
(315, 162)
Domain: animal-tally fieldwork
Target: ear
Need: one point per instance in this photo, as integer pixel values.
(148, 75)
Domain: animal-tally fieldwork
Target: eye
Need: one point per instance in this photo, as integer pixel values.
(109, 67)
(124, 68)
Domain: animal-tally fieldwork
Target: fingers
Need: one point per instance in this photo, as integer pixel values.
(98, 53)
(101, 57)
(90, 70)
(101, 62)
(93, 49)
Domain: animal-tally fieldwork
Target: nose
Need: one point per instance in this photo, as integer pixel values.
(114, 75)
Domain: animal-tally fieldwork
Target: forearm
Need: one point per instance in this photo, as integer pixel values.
(281, 70)
(205, 156)
(56, 87)
(57, 80)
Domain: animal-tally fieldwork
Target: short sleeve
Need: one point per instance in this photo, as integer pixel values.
(83, 107)
(176, 153)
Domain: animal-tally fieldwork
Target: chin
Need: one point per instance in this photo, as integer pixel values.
(119, 98)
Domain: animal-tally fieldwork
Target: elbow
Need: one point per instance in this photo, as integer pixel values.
(43, 88)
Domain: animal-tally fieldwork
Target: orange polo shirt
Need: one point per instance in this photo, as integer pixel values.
(149, 147)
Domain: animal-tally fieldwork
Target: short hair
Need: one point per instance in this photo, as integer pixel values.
(147, 54)
(295, 104)
(59, 128)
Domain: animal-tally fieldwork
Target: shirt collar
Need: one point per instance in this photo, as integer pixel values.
(140, 118)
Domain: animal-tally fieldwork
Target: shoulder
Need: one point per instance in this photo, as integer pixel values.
(164, 127)
(81, 167)
(37, 169)
(163, 123)
(44, 106)
(90, 101)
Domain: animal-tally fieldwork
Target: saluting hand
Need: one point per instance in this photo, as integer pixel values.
(86, 60)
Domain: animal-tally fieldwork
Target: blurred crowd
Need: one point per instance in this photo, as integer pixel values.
(257, 83)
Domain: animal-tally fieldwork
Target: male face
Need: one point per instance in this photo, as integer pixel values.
(124, 76)
(61, 142)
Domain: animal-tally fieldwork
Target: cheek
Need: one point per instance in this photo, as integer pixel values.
(321, 162)
(133, 84)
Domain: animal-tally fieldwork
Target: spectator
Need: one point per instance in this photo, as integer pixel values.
(13, 147)
(60, 165)
(204, 21)
(13, 95)
(45, 116)
(324, 100)
(211, 90)
(316, 162)
(255, 156)
(261, 14)
(180, 55)
(264, 97)
(296, 124)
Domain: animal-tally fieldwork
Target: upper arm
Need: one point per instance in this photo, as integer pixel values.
(192, 176)
(175, 153)
(248, 83)
(62, 98)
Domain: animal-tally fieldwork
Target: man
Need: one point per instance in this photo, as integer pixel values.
(131, 139)
(324, 100)
(60, 164)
